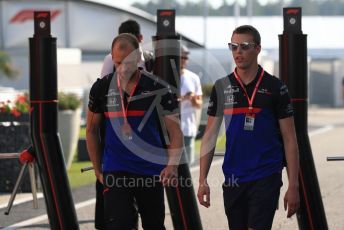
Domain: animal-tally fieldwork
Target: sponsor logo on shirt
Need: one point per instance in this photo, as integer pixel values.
(230, 100)
(112, 102)
(289, 109)
(283, 90)
(264, 91)
(231, 89)
(112, 92)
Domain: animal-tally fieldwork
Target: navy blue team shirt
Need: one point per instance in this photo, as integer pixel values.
(145, 153)
(251, 155)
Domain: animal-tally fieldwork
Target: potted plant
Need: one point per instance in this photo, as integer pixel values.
(69, 121)
(17, 110)
(14, 138)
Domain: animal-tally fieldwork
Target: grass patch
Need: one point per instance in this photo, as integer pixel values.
(82, 133)
(220, 144)
(76, 178)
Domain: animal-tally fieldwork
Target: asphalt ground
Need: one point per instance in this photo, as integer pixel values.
(326, 133)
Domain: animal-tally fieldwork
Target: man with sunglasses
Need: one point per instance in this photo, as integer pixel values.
(260, 133)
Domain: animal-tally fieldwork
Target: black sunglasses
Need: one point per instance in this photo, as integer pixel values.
(244, 45)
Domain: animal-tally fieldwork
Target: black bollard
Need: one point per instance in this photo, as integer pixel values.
(44, 133)
(181, 198)
(293, 71)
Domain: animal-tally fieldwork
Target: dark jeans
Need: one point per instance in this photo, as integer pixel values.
(99, 209)
(121, 192)
(252, 204)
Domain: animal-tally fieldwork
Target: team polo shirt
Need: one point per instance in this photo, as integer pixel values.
(145, 153)
(257, 153)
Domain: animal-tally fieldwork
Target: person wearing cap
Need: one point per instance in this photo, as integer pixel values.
(191, 100)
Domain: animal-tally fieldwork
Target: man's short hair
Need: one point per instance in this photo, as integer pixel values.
(130, 26)
(247, 29)
(128, 38)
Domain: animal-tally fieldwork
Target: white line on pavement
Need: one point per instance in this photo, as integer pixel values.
(22, 200)
(321, 130)
(44, 217)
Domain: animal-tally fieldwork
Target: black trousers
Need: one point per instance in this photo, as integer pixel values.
(99, 209)
(99, 212)
(122, 191)
(252, 204)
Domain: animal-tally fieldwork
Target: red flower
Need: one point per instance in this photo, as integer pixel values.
(20, 105)
(15, 112)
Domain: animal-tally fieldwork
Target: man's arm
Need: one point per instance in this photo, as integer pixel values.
(93, 142)
(207, 152)
(291, 199)
(174, 150)
(196, 101)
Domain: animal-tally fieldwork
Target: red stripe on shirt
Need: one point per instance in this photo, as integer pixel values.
(131, 113)
(244, 110)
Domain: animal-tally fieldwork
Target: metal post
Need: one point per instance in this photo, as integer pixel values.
(181, 199)
(293, 71)
(335, 158)
(15, 189)
(26, 162)
(44, 133)
(33, 184)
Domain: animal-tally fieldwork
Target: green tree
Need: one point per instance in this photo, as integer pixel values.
(6, 67)
(309, 7)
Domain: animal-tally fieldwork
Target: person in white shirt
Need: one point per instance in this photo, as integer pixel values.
(191, 100)
(132, 27)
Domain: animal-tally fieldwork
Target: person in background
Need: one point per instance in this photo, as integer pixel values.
(146, 60)
(191, 100)
(260, 131)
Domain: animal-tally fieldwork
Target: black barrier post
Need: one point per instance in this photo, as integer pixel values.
(44, 133)
(293, 71)
(181, 199)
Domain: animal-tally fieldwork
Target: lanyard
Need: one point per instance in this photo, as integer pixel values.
(250, 100)
(125, 109)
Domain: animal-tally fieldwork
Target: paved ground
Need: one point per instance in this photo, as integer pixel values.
(326, 136)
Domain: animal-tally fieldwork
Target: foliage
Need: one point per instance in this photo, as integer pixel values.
(19, 106)
(68, 101)
(5, 65)
(309, 7)
(206, 90)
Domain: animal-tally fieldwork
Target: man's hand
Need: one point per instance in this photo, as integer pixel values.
(292, 201)
(204, 194)
(169, 174)
(188, 96)
(99, 176)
